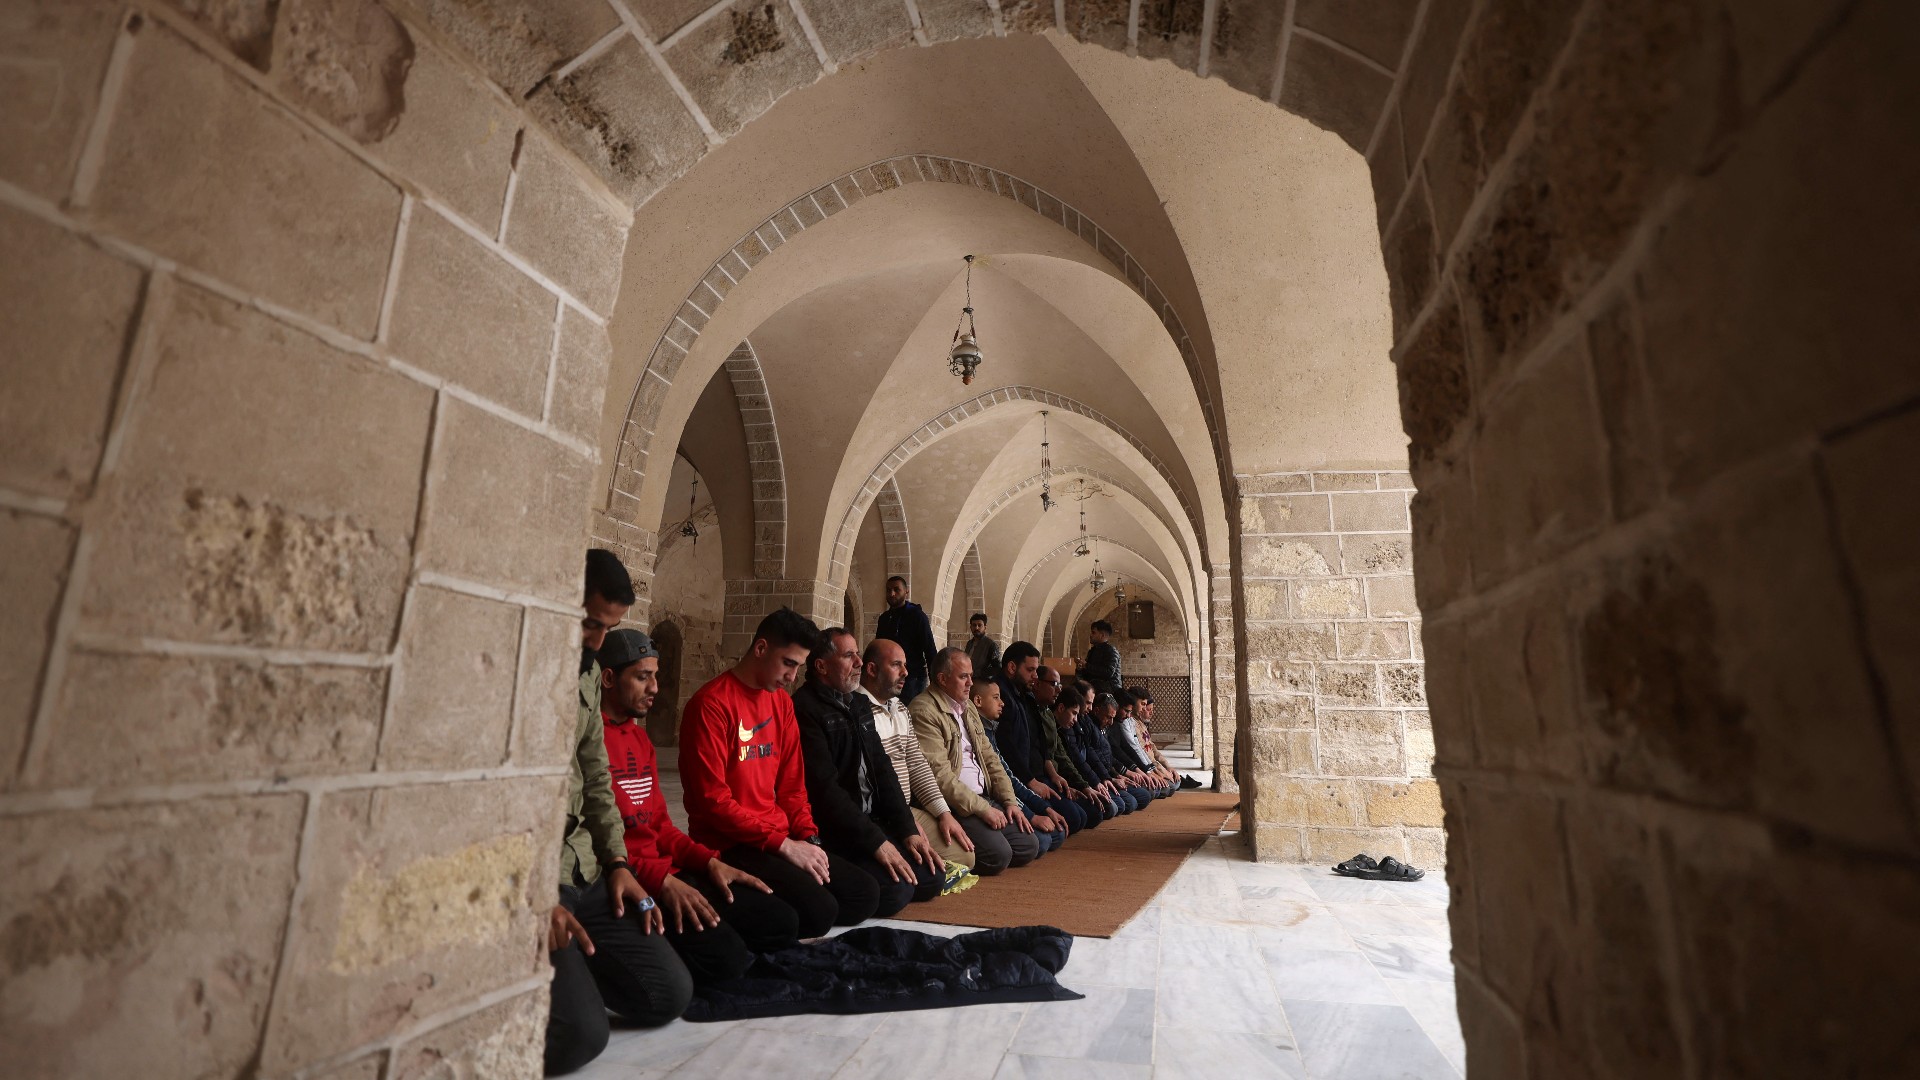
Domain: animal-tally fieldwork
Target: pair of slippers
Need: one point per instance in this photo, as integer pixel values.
(1387, 869)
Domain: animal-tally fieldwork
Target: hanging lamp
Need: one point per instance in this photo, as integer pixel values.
(964, 358)
(1046, 467)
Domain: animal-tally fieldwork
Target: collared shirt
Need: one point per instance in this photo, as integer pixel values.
(969, 762)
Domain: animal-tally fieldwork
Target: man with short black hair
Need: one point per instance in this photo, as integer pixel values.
(1127, 749)
(1102, 668)
(602, 937)
(969, 773)
(981, 649)
(746, 787)
(904, 624)
(1062, 774)
(851, 785)
(1018, 739)
(1093, 726)
(1049, 830)
(716, 917)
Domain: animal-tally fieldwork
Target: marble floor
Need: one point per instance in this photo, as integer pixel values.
(1236, 971)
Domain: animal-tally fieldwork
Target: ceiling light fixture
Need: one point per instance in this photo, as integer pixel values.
(964, 358)
(687, 528)
(1046, 466)
(1082, 551)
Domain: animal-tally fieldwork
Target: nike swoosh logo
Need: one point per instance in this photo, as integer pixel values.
(747, 733)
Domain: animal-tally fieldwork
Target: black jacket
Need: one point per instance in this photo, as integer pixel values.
(883, 969)
(835, 734)
(1016, 735)
(1102, 668)
(907, 627)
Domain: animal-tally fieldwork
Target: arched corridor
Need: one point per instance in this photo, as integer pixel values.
(1496, 403)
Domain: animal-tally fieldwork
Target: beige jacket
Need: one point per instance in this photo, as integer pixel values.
(932, 714)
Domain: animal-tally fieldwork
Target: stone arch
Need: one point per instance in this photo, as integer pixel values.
(838, 558)
(685, 326)
(893, 527)
(1018, 594)
(764, 461)
(1006, 498)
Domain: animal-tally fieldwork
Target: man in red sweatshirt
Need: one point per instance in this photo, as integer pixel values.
(715, 916)
(746, 785)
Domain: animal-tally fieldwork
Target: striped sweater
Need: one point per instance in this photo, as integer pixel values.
(903, 749)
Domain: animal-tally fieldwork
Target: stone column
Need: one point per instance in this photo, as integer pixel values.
(1224, 684)
(1342, 748)
(749, 600)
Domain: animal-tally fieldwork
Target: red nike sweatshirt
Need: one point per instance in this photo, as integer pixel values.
(655, 845)
(740, 762)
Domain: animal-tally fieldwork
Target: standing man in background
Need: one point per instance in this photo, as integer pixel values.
(981, 649)
(1102, 668)
(906, 625)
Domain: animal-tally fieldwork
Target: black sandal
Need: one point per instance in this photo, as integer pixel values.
(1388, 869)
(1361, 865)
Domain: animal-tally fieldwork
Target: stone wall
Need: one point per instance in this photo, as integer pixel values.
(294, 307)
(1342, 749)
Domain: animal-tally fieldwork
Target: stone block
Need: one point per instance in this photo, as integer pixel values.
(1626, 416)
(1539, 470)
(1332, 598)
(1384, 511)
(1288, 800)
(69, 315)
(1291, 641)
(1275, 711)
(1274, 483)
(1416, 802)
(621, 117)
(501, 1040)
(850, 29)
(1290, 556)
(1377, 554)
(206, 720)
(738, 63)
(454, 683)
(1392, 597)
(32, 576)
(1376, 31)
(567, 231)
(1491, 1034)
(1622, 1020)
(582, 362)
(1420, 749)
(1374, 640)
(1345, 481)
(465, 314)
(1361, 742)
(416, 900)
(1427, 848)
(1519, 667)
(1279, 844)
(517, 44)
(1517, 848)
(204, 169)
(1331, 845)
(1347, 684)
(365, 1068)
(1284, 514)
(1279, 677)
(950, 20)
(1435, 395)
(455, 138)
(1836, 926)
(1450, 691)
(1427, 69)
(302, 541)
(56, 58)
(1412, 263)
(1334, 90)
(505, 506)
(145, 935)
(1443, 537)
(1875, 532)
(347, 61)
(1403, 684)
(1503, 59)
(1808, 336)
(1267, 600)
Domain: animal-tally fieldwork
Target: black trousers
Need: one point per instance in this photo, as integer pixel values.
(752, 922)
(638, 977)
(850, 896)
(894, 895)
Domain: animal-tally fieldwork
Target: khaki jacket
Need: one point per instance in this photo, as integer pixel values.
(932, 714)
(595, 837)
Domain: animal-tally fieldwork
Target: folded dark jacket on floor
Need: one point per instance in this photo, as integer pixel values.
(884, 969)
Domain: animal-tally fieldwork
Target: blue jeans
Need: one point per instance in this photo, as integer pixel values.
(1075, 814)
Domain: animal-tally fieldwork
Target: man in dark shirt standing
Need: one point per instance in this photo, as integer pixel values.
(981, 649)
(1102, 668)
(905, 624)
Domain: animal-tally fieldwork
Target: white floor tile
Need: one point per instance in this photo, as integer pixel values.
(1109, 1024)
(1326, 975)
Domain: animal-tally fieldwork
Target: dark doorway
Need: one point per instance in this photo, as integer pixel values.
(663, 720)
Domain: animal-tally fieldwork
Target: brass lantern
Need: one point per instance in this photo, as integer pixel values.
(964, 358)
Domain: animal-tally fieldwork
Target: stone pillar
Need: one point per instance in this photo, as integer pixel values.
(751, 599)
(1338, 729)
(1224, 685)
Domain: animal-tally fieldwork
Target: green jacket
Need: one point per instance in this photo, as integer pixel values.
(940, 739)
(594, 837)
(1057, 750)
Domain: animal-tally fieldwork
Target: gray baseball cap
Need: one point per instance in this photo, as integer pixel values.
(625, 646)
